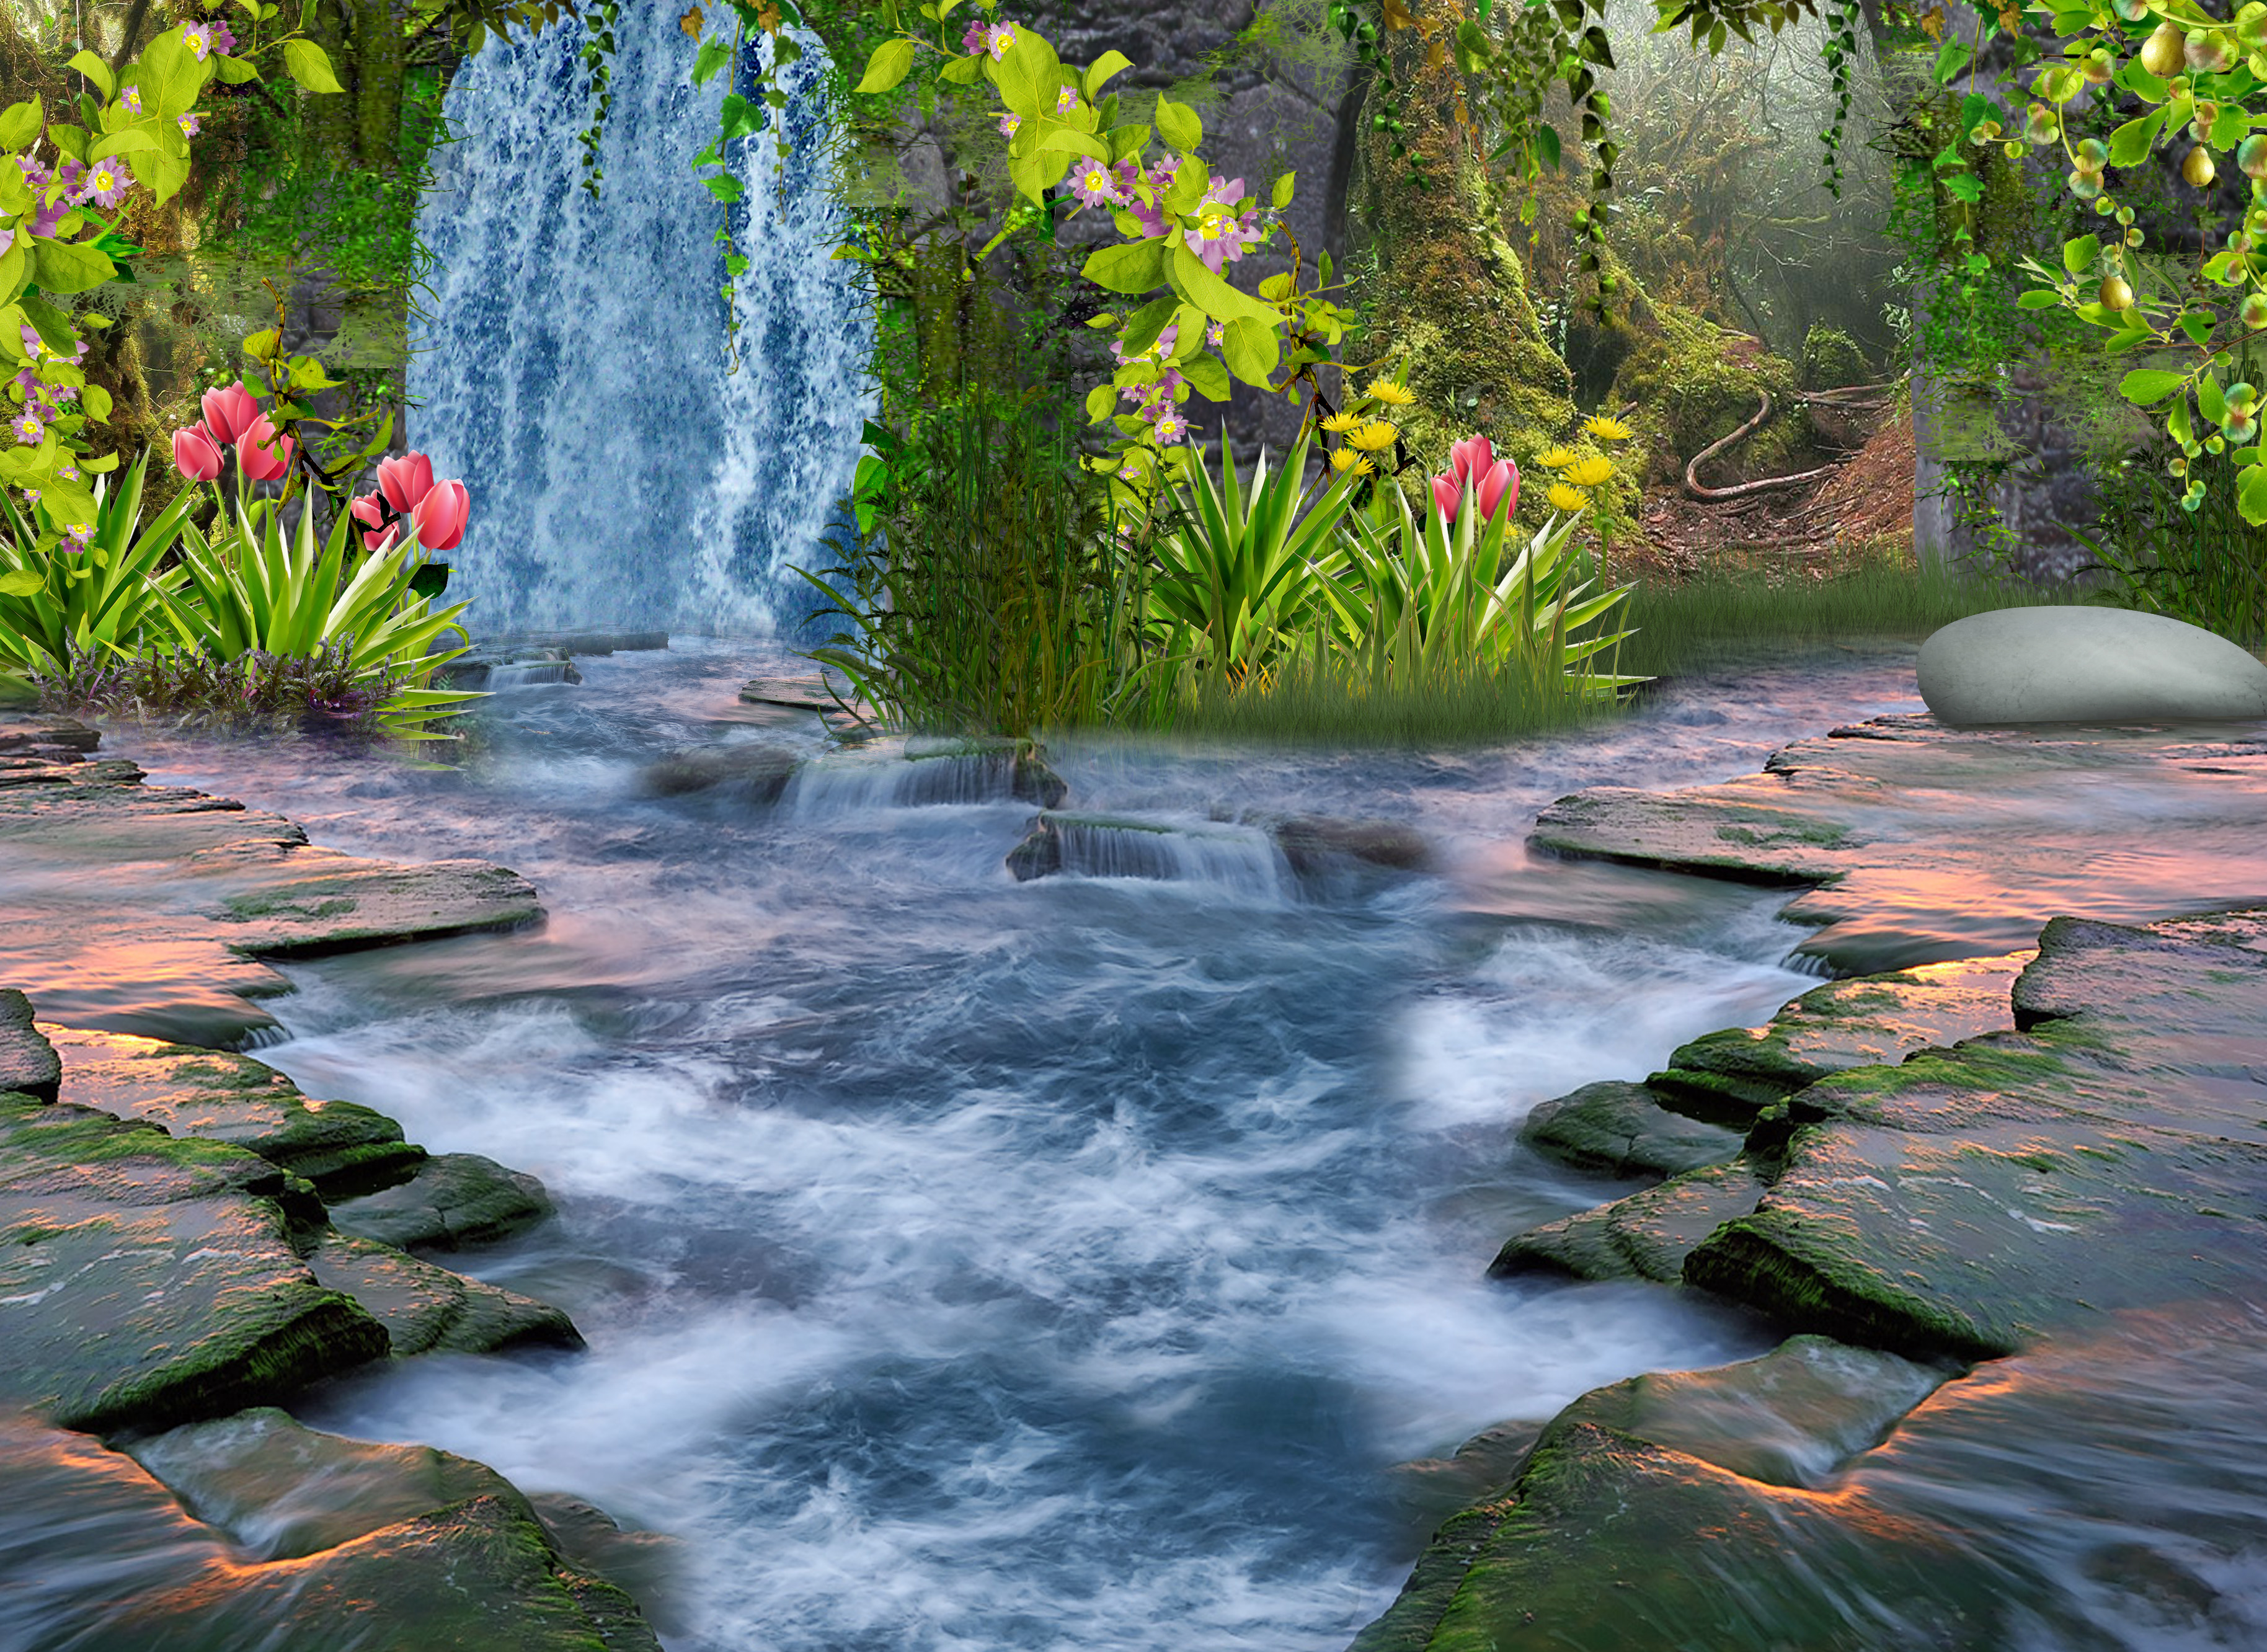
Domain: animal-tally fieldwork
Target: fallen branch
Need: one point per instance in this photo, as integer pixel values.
(1740, 490)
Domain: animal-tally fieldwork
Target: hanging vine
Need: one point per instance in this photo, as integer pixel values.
(599, 57)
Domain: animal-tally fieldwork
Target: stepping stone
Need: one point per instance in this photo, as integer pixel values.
(456, 1202)
(1622, 1129)
(429, 1309)
(2065, 663)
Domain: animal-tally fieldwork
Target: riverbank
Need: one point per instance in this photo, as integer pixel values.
(187, 1242)
(2011, 1210)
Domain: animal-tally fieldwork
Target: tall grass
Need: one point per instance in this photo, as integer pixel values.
(2206, 566)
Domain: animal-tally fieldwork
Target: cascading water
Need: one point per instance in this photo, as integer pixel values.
(573, 369)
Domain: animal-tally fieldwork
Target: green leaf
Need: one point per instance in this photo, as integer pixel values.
(726, 189)
(69, 266)
(1147, 322)
(1178, 125)
(1059, 137)
(712, 57)
(737, 118)
(2178, 426)
(1964, 187)
(1975, 109)
(891, 61)
(1101, 70)
(1546, 146)
(1211, 293)
(2197, 325)
(20, 124)
(1206, 373)
(962, 71)
(52, 325)
(309, 65)
(94, 68)
(1950, 60)
(2251, 495)
(2078, 255)
(2209, 401)
(1472, 48)
(1127, 141)
(22, 583)
(2146, 386)
(137, 139)
(1283, 188)
(1137, 267)
(2141, 81)
(1251, 349)
(2130, 143)
(1029, 76)
(96, 399)
(2039, 298)
(234, 71)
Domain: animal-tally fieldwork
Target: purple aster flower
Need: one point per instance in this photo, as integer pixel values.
(1216, 335)
(1222, 232)
(34, 348)
(7, 240)
(68, 473)
(198, 37)
(1169, 427)
(35, 176)
(130, 99)
(221, 39)
(1002, 37)
(188, 126)
(1094, 185)
(28, 428)
(76, 535)
(107, 184)
(32, 494)
(978, 35)
(1008, 123)
(1066, 99)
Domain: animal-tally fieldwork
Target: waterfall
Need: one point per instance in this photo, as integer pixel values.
(571, 367)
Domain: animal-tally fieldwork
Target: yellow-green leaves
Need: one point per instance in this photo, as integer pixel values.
(307, 63)
(1179, 126)
(1211, 293)
(2078, 255)
(2251, 495)
(1251, 349)
(1028, 76)
(69, 267)
(2146, 386)
(2130, 143)
(891, 61)
(1100, 71)
(50, 323)
(20, 124)
(1283, 185)
(95, 69)
(1137, 267)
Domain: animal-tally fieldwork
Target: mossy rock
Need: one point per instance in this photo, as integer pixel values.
(1648, 1236)
(1693, 383)
(455, 1201)
(1622, 1129)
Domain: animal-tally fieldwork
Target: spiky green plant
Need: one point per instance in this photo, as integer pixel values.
(59, 604)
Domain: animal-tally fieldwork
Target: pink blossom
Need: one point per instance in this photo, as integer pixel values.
(405, 480)
(230, 412)
(439, 519)
(1094, 184)
(369, 509)
(261, 454)
(1222, 232)
(195, 455)
(1498, 490)
(1470, 456)
(1008, 123)
(1448, 496)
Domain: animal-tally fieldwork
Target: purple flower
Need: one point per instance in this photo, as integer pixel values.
(68, 473)
(1002, 37)
(1169, 427)
(221, 39)
(1222, 232)
(28, 428)
(188, 126)
(979, 36)
(1008, 123)
(1094, 185)
(130, 96)
(35, 176)
(1216, 335)
(198, 37)
(77, 534)
(34, 348)
(107, 184)
(1066, 99)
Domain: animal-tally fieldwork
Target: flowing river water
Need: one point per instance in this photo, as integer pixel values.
(969, 1264)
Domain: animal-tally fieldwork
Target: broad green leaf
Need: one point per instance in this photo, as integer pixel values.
(1101, 70)
(1211, 293)
(2140, 81)
(164, 171)
(1546, 146)
(2130, 143)
(2078, 255)
(2178, 426)
(737, 118)
(69, 266)
(1950, 60)
(1148, 321)
(94, 68)
(2146, 386)
(20, 124)
(2039, 298)
(1177, 125)
(1205, 371)
(2230, 125)
(96, 401)
(1251, 349)
(1029, 76)
(1138, 267)
(233, 71)
(2210, 401)
(2251, 495)
(2197, 326)
(309, 65)
(715, 52)
(1283, 188)
(137, 138)
(52, 325)
(22, 583)
(891, 61)
(1099, 401)
(1060, 139)
(1128, 140)
(962, 71)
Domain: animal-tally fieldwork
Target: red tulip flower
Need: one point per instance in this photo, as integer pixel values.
(370, 511)
(230, 412)
(261, 454)
(405, 480)
(195, 455)
(1471, 459)
(439, 518)
(1448, 495)
(1499, 487)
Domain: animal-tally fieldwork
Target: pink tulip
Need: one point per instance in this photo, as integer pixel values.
(261, 454)
(194, 454)
(1499, 487)
(1469, 459)
(405, 480)
(439, 518)
(370, 511)
(1448, 495)
(231, 412)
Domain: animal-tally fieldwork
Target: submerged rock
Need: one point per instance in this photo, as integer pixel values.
(1319, 845)
(429, 1310)
(1622, 1129)
(2084, 665)
(1646, 1236)
(756, 774)
(455, 1201)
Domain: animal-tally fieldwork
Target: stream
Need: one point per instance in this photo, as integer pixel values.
(969, 1264)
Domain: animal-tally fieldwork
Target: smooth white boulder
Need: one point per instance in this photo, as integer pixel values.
(2086, 664)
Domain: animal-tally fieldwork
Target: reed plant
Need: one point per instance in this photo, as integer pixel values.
(2205, 565)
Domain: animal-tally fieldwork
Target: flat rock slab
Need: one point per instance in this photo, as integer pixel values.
(2098, 1492)
(342, 1148)
(429, 1310)
(1646, 1236)
(746, 772)
(145, 1281)
(388, 1548)
(1732, 1076)
(1916, 843)
(146, 909)
(28, 1063)
(456, 1200)
(1622, 1129)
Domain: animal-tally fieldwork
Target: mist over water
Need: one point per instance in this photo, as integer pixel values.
(572, 364)
(968, 1263)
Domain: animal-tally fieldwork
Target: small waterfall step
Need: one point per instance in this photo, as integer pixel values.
(847, 716)
(926, 771)
(527, 660)
(1256, 853)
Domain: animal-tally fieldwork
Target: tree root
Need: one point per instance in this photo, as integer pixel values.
(1696, 488)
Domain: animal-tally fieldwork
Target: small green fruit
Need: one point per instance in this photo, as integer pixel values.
(2199, 169)
(2253, 310)
(2164, 52)
(2115, 294)
(2093, 155)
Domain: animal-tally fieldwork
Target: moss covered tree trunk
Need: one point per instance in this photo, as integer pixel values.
(1451, 292)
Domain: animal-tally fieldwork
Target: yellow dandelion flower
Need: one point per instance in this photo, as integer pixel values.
(1557, 457)
(1564, 498)
(1391, 395)
(1607, 430)
(1339, 423)
(1588, 473)
(1345, 458)
(1375, 437)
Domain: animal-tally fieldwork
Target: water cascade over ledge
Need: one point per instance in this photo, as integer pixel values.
(573, 371)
